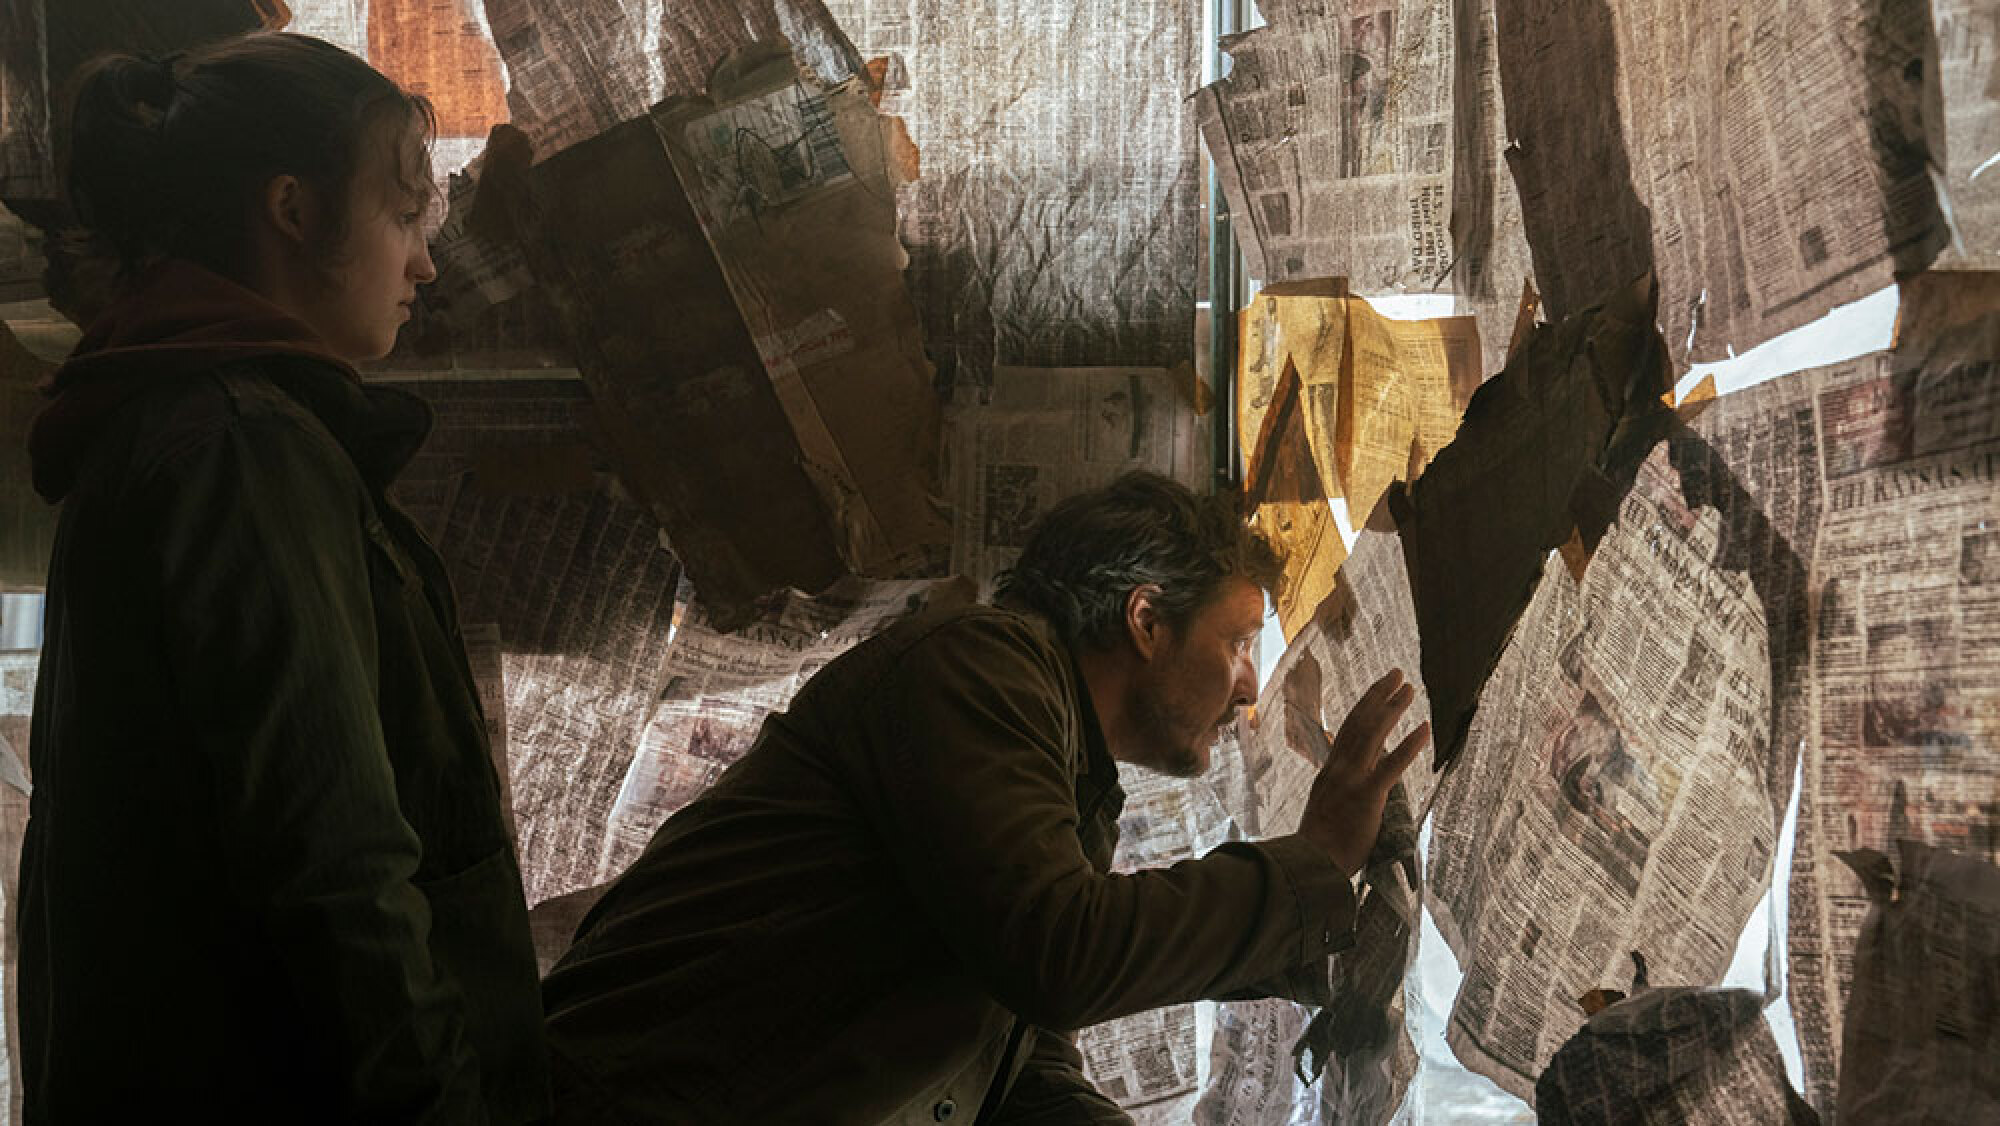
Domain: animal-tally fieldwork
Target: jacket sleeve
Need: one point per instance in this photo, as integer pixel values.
(270, 635)
(978, 803)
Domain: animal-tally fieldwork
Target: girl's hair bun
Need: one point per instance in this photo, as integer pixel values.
(169, 157)
(118, 166)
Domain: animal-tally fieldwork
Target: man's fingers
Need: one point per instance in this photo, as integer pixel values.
(1395, 762)
(1371, 719)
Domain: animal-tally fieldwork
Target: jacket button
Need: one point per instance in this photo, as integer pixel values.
(944, 1110)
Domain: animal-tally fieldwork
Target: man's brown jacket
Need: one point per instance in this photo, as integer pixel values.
(894, 908)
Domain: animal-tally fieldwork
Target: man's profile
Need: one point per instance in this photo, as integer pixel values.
(896, 909)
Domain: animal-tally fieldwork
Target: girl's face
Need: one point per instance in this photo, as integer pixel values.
(381, 261)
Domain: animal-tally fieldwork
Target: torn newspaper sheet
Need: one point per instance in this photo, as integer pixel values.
(27, 163)
(1251, 1081)
(1290, 509)
(1614, 794)
(1402, 390)
(1358, 1048)
(574, 69)
(1765, 160)
(579, 67)
(1964, 75)
(1346, 139)
(1049, 433)
(1381, 396)
(1147, 1063)
(1753, 457)
(1906, 578)
(794, 187)
(583, 593)
(27, 522)
(1674, 1056)
(1544, 447)
(717, 688)
(1057, 213)
(1923, 1016)
(343, 23)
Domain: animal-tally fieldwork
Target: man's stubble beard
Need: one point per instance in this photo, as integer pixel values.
(1169, 752)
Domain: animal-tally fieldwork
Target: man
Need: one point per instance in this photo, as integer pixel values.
(895, 908)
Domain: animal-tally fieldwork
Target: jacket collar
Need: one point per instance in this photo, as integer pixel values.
(1098, 793)
(177, 320)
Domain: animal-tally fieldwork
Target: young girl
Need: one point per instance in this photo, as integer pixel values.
(266, 877)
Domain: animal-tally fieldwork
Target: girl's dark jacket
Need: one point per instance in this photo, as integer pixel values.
(266, 872)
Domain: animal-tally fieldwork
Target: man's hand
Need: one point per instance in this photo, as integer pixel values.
(1344, 811)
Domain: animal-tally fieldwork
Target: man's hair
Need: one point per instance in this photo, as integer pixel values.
(1087, 555)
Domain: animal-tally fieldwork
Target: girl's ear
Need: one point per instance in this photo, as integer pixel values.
(288, 207)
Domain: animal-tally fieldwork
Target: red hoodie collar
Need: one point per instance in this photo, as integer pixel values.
(176, 319)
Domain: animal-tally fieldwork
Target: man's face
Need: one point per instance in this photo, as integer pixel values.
(1197, 679)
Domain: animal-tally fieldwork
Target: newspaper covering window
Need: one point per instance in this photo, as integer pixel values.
(1362, 139)
(27, 164)
(439, 50)
(579, 67)
(1905, 640)
(1147, 1062)
(1544, 451)
(1614, 792)
(583, 594)
(1057, 215)
(1361, 1071)
(1765, 160)
(1290, 508)
(27, 522)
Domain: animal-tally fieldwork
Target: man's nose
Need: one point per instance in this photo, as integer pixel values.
(1243, 692)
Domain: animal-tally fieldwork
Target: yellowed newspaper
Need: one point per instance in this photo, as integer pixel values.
(1380, 396)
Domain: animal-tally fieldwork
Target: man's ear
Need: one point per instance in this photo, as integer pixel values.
(1144, 623)
(288, 208)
